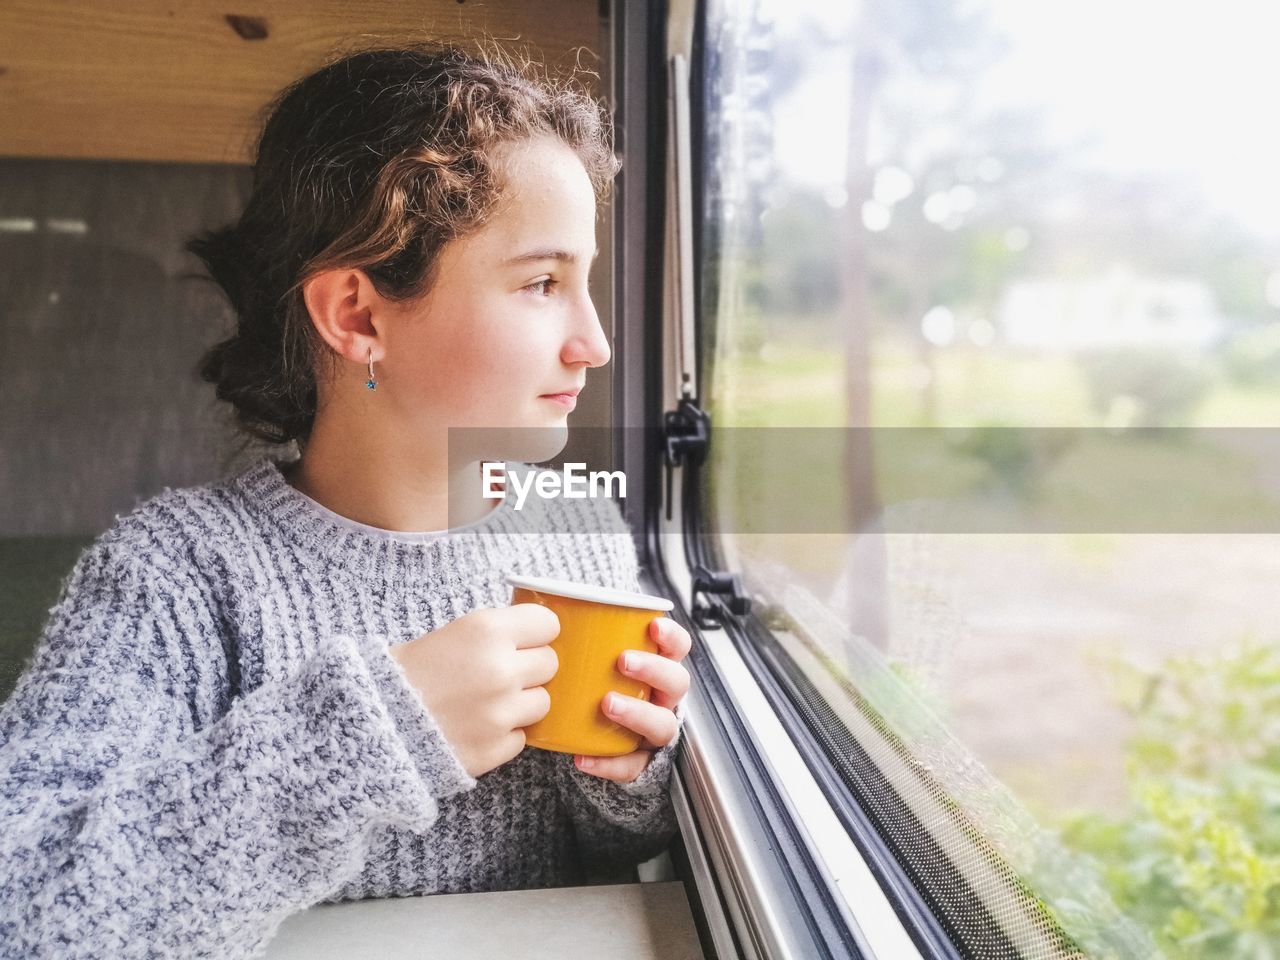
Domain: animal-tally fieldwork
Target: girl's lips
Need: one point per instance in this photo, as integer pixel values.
(567, 400)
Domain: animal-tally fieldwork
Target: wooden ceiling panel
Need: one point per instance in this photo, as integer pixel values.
(188, 81)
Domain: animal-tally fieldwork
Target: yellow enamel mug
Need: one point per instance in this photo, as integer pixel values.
(596, 625)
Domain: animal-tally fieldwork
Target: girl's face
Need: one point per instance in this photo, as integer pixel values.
(509, 320)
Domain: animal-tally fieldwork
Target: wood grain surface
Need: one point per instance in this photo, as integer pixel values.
(189, 81)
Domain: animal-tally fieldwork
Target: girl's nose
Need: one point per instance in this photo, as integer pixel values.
(588, 342)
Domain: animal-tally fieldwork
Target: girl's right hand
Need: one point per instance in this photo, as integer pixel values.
(481, 677)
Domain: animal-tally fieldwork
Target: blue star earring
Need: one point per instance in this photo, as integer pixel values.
(371, 383)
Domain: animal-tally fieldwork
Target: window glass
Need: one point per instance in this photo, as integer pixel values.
(992, 301)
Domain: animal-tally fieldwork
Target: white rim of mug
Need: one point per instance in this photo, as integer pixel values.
(587, 591)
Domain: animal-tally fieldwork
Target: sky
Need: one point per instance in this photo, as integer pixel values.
(1181, 86)
(1176, 87)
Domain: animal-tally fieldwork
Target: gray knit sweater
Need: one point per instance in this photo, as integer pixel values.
(211, 734)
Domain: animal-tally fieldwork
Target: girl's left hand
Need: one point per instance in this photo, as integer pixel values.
(654, 720)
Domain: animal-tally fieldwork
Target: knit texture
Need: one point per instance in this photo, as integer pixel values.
(211, 734)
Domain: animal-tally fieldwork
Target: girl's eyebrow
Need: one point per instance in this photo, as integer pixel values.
(563, 255)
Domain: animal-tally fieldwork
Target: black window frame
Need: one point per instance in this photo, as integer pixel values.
(817, 918)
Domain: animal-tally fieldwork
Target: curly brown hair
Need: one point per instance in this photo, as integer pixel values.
(374, 162)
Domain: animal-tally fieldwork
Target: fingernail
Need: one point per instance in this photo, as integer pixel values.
(613, 703)
(584, 763)
(627, 662)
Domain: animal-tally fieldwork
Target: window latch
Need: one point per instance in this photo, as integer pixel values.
(686, 434)
(717, 582)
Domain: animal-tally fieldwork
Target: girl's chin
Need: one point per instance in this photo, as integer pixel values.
(532, 444)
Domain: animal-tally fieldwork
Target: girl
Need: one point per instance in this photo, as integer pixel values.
(269, 691)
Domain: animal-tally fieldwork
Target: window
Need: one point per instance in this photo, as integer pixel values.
(991, 314)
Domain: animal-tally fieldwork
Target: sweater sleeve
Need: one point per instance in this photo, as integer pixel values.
(127, 832)
(619, 823)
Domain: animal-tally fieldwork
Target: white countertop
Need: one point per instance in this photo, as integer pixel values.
(630, 921)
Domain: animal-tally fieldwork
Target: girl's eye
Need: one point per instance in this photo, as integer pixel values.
(542, 287)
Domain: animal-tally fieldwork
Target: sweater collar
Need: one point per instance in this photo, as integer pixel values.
(365, 552)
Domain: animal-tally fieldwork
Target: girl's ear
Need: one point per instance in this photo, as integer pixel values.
(340, 303)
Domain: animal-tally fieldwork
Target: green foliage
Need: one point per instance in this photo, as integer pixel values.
(801, 252)
(1252, 357)
(1196, 859)
(1007, 452)
(1159, 388)
(1017, 458)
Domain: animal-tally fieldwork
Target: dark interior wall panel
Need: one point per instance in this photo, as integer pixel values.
(103, 320)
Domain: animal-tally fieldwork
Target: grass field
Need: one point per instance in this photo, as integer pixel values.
(801, 385)
(1078, 478)
(1025, 619)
